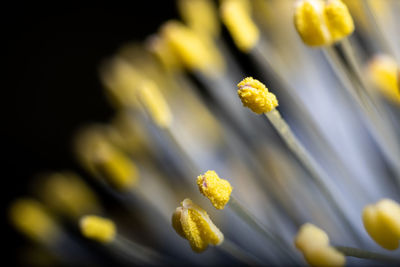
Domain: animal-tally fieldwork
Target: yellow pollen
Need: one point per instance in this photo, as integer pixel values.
(196, 53)
(256, 96)
(120, 79)
(115, 167)
(239, 23)
(155, 104)
(164, 53)
(383, 72)
(338, 19)
(31, 218)
(105, 160)
(201, 16)
(313, 242)
(321, 22)
(193, 223)
(97, 228)
(217, 190)
(382, 222)
(67, 194)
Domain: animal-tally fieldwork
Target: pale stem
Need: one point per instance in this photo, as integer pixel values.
(301, 113)
(317, 174)
(252, 221)
(384, 124)
(363, 254)
(354, 91)
(137, 253)
(355, 64)
(379, 34)
(184, 155)
(238, 253)
(374, 123)
(145, 200)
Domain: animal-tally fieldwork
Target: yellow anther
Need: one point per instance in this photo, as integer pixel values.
(104, 160)
(309, 22)
(217, 190)
(310, 236)
(127, 134)
(338, 19)
(31, 218)
(164, 53)
(97, 228)
(155, 104)
(67, 194)
(201, 16)
(176, 222)
(115, 167)
(325, 257)
(358, 13)
(120, 79)
(193, 223)
(255, 96)
(389, 213)
(382, 222)
(313, 242)
(239, 23)
(383, 73)
(196, 53)
(322, 23)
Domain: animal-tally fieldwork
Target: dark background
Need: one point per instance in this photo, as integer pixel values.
(51, 85)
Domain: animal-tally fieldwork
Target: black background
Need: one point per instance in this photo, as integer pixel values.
(51, 85)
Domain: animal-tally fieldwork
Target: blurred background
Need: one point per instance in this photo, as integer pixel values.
(53, 51)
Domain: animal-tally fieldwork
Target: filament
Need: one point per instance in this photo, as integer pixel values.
(317, 175)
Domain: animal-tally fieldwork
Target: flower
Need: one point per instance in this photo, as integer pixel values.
(217, 190)
(382, 222)
(313, 242)
(255, 96)
(96, 228)
(193, 223)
